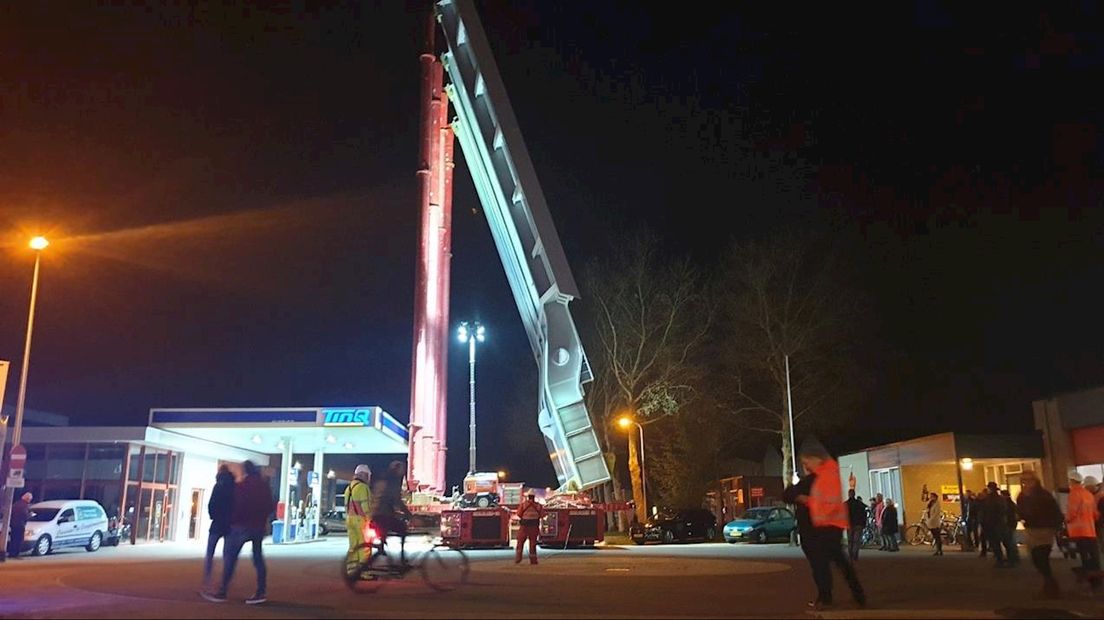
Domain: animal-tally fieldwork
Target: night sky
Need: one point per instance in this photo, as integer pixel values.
(232, 195)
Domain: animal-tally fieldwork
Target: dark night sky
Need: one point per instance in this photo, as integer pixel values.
(260, 165)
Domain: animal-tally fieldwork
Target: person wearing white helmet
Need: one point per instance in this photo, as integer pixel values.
(358, 510)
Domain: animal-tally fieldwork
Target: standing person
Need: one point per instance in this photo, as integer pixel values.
(1012, 520)
(822, 535)
(1093, 486)
(879, 509)
(529, 515)
(979, 510)
(994, 521)
(358, 509)
(933, 520)
(20, 512)
(969, 518)
(1081, 518)
(388, 508)
(856, 511)
(253, 504)
(890, 526)
(1042, 518)
(220, 508)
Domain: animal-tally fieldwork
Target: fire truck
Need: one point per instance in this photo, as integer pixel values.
(572, 520)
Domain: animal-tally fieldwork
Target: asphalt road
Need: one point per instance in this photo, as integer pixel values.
(697, 580)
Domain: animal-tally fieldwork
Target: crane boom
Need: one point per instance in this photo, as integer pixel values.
(528, 245)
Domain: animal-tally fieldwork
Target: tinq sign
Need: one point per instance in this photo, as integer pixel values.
(347, 417)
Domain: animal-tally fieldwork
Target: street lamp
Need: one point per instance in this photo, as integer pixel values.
(37, 244)
(626, 423)
(471, 334)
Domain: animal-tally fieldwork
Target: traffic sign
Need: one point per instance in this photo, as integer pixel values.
(18, 457)
(15, 482)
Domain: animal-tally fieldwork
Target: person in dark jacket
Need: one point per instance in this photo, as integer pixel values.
(253, 505)
(969, 517)
(890, 527)
(20, 512)
(219, 508)
(389, 512)
(994, 521)
(856, 515)
(1042, 519)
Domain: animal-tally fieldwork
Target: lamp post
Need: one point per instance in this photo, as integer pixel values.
(37, 244)
(626, 423)
(471, 334)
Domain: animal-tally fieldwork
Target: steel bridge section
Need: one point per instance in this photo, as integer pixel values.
(525, 236)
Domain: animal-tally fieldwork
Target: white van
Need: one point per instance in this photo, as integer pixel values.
(65, 523)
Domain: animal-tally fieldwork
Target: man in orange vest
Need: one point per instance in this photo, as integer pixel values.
(822, 517)
(1081, 515)
(529, 515)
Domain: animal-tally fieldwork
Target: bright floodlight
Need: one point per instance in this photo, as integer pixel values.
(624, 422)
(463, 332)
(39, 243)
(479, 333)
(501, 474)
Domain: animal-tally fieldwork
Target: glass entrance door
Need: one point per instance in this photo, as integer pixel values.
(195, 514)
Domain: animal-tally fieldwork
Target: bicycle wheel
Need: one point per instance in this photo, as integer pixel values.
(916, 535)
(369, 576)
(444, 568)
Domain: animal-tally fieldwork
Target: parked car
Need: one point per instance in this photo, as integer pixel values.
(676, 525)
(333, 521)
(65, 523)
(761, 525)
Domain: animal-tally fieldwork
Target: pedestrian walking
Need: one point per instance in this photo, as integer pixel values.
(358, 509)
(20, 512)
(220, 508)
(856, 511)
(529, 515)
(1042, 518)
(933, 520)
(820, 498)
(1081, 516)
(890, 526)
(253, 504)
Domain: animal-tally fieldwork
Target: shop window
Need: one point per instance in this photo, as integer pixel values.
(105, 462)
(65, 461)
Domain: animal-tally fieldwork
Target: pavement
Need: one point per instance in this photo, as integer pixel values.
(614, 581)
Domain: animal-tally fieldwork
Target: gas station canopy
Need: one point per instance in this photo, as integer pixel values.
(329, 430)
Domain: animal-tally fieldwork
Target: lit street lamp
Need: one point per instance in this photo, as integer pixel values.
(626, 423)
(37, 244)
(470, 335)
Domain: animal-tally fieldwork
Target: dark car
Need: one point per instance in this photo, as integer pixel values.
(760, 525)
(333, 521)
(676, 525)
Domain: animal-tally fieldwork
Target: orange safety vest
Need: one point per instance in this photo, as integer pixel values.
(826, 507)
(1081, 515)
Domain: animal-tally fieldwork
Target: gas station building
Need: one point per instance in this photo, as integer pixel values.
(160, 476)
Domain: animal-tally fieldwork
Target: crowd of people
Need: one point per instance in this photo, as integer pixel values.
(989, 520)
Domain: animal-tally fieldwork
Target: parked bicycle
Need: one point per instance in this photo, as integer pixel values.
(442, 567)
(952, 530)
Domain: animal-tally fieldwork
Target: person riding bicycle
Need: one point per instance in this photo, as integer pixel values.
(358, 508)
(388, 509)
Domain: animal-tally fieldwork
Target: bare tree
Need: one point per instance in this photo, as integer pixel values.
(649, 317)
(787, 297)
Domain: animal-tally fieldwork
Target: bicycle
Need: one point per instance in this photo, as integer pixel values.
(951, 531)
(443, 568)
